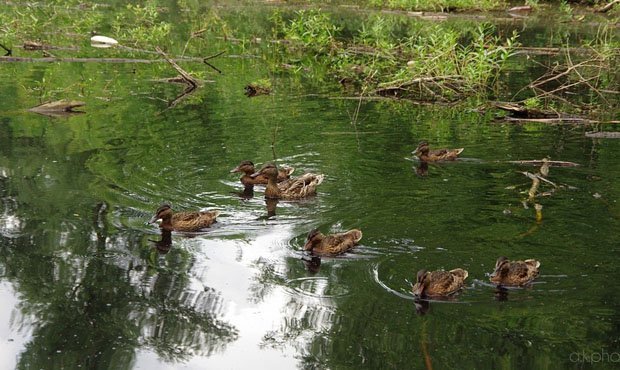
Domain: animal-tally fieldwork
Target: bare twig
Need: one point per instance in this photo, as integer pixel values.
(606, 8)
(186, 76)
(10, 59)
(9, 52)
(538, 162)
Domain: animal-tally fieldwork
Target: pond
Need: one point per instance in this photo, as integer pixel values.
(86, 283)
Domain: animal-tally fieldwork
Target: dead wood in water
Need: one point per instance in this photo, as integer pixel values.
(541, 162)
(11, 59)
(186, 76)
(9, 52)
(606, 8)
(430, 88)
(58, 108)
(603, 134)
(8, 58)
(558, 120)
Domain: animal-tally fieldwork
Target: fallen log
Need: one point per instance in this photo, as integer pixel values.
(606, 8)
(603, 134)
(540, 162)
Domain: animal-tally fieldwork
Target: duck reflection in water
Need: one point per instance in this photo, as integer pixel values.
(421, 306)
(501, 294)
(421, 169)
(271, 205)
(164, 243)
(313, 263)
(246, 194)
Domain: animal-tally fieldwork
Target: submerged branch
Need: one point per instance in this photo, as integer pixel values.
(10, 59)
(186, 76)
(606, 8)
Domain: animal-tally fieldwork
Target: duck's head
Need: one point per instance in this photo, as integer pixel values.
(422, 281)
(269, 170)
(246, 167)
(164, 212)
(422, 148)
(314, 236)
(501, 261)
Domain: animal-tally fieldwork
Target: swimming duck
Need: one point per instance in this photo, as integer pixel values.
(294, 188)
(183, 221)
(424, 153)
(514, 273)
(439, 283)
(247, 168)
(332, 244)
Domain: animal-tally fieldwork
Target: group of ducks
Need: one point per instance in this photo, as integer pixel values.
(280, 185)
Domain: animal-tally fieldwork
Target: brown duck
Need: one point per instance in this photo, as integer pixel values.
(424, 153)
(294, 188)
(332, 244)
(247, 168)
(183, 221)
(514, 273)
(439, 283)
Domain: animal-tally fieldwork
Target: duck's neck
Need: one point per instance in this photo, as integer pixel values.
(272, 190)
(166, 224)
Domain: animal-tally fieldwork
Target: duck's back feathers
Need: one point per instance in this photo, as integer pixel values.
(424, 153)
(439, 283)
(300, 187)
(183, 221)
(332, 244)
(514, 273)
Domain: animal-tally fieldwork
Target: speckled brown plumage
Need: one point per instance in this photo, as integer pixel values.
(247, 168)
(183, 221)
(514, 273)
(294, 188)
(424, 153)
(332, 244)
(439, 283)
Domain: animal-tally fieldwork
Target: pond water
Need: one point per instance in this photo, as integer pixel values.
(87, 284)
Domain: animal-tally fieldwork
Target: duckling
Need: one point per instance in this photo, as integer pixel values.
(294, 188)
(183, 221)
(332, 244)
(247, 168)
(424, 153)
(514, 273)
(439, 283)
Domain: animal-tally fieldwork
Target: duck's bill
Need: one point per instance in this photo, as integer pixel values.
(153, 220)
(236, 169)
(417, 289)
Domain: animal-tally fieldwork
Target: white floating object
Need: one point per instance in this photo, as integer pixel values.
(99, 41)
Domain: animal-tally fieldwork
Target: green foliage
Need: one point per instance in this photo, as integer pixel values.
(312, 28)
(140, 24)
(565, 8)
(376, 57)
(533, 3)
(533, 103)
(438, 5)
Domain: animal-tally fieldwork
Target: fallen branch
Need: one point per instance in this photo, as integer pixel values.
(606, 8)
(540, 162)
(568, 120)
(9, 52)
(536, 177)
(10, 59)
(186, 76)
(33, 45)
(603, 134)
(58, 108)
